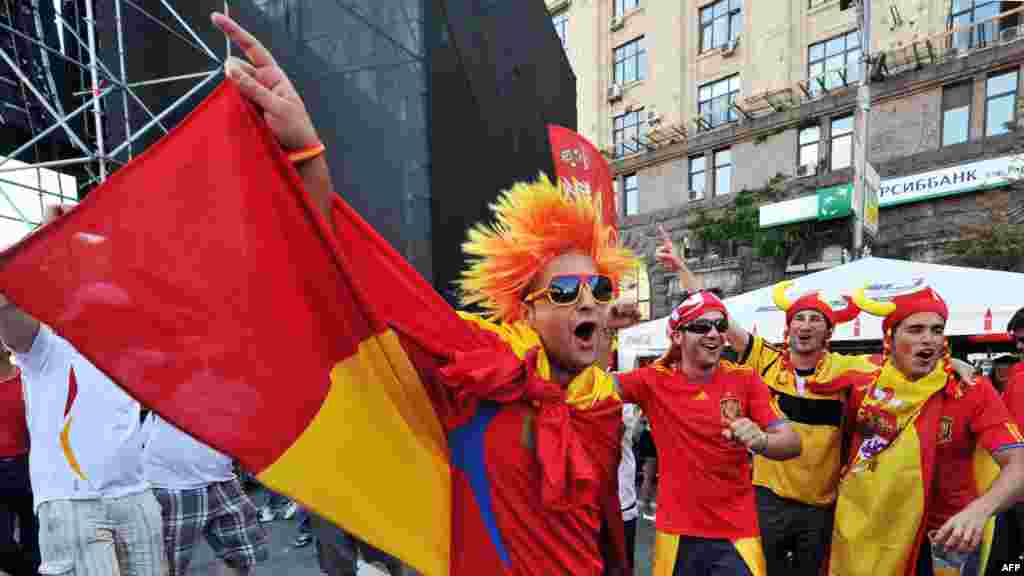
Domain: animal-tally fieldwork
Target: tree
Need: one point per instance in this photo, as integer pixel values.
(739, 222)
(992, 246)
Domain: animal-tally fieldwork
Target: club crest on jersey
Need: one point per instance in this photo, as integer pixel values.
(945, 430)
(731, 407)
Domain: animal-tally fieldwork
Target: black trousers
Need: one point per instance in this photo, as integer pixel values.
(16, 503)
(794, 535)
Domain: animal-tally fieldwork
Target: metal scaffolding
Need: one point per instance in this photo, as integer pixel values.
(107, 87)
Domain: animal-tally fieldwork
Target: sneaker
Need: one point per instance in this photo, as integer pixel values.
(266, 514)
(290, 511)
(302, 540)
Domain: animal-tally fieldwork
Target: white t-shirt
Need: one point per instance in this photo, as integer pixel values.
(173, 460)
(84, 430)
(627, 466)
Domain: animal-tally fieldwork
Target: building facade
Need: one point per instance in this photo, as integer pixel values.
(731, 124)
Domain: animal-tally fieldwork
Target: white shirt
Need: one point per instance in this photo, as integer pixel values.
(78, 416)
(173, 460)
(627, 466)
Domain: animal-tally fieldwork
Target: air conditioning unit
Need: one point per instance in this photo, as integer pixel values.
(615, 92)
(616, 23)
(730, 47)
(807, 170)
(653, 117)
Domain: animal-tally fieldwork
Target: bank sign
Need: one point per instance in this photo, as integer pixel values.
(953, 180)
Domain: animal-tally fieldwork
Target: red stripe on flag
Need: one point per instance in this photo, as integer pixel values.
(192, 278)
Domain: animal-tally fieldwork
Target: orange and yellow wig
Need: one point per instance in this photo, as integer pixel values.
(535, 222)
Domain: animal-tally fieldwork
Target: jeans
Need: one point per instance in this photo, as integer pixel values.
(17, 558)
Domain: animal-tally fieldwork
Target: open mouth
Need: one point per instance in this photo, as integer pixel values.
(585, 331)
(925, 355)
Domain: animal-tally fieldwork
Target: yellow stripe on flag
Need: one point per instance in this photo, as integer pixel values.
(375, 458)
(986, 470)
(753, 555)
(666, 550)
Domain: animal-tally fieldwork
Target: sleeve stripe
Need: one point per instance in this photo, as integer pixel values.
(1005, 447)
(781, 421)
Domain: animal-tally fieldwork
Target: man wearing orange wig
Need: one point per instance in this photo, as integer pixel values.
(533, 423)
(920, 479)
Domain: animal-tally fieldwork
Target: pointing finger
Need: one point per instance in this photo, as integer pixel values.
(253, 48)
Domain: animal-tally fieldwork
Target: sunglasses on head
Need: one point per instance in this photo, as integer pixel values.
(564, 290)
(705, 326)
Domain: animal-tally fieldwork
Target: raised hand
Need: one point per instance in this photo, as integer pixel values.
(264, 82)
(623, 315)
(666, 254)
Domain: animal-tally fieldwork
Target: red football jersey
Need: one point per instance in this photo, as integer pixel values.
(705, 480)
(978, 418)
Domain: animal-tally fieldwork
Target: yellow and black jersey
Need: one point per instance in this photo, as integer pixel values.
(812, 477)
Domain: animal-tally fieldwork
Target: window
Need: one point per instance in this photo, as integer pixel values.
(808, 143)
(626, 132)
(831, 59)
(963, 14)
(697, 182)
(956, 113)
(842, 142)
(723, 172)
(623, 6)
(630, 62)
(714, 102)
(561, 23)
(720, 23)
(631, 194)
(1000, 99)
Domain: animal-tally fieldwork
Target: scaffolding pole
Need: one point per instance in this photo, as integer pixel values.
(97, 108)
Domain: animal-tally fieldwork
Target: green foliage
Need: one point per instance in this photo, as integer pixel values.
(739, 222)
(996, 247)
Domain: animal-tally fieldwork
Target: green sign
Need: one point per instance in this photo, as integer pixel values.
(835, 202)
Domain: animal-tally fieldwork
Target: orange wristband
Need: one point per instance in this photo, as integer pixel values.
(303, 154)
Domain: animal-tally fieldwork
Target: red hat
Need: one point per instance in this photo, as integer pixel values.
(694, 307)
(813, 301)
(919, 298)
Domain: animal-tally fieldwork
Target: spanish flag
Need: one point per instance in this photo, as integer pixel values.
(201, 279)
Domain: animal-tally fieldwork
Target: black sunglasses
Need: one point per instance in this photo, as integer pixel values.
(705, 326)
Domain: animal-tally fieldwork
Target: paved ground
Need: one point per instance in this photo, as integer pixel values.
(286, 560)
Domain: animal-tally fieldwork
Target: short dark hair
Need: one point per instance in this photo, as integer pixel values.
(1017, 321)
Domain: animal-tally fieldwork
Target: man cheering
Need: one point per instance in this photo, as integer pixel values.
(913, 484)
(705, 416)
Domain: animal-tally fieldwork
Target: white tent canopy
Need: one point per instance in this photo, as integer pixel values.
(972, 294)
